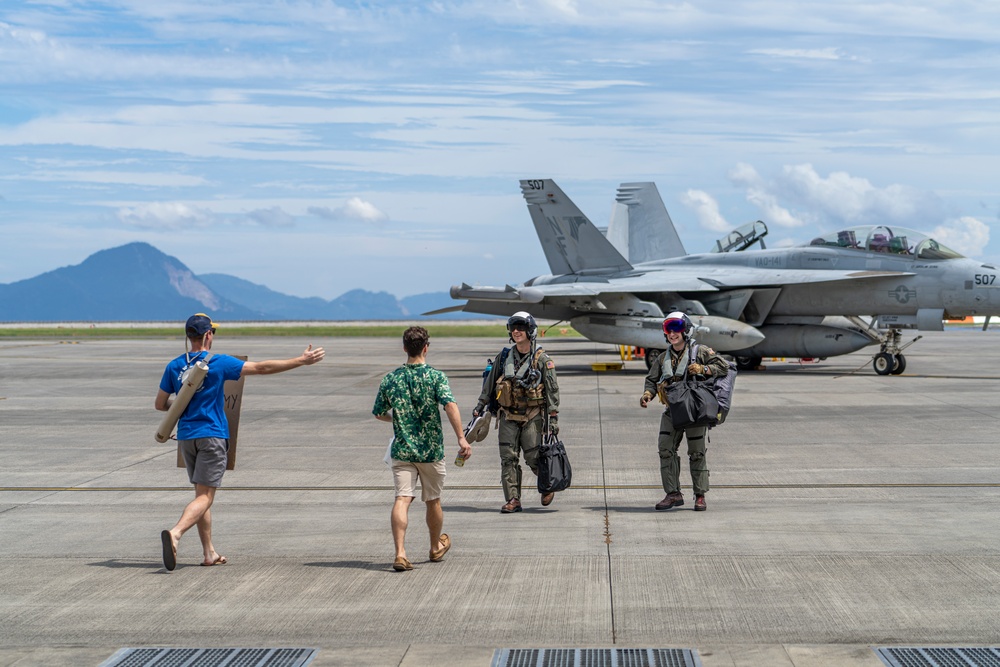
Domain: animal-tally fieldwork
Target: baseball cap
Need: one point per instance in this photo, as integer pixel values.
(199, 324)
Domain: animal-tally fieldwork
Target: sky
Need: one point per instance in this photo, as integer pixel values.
(321, 146)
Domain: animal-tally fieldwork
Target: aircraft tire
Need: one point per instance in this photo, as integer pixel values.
(900, 365)
(747, 363)
(650, 355)
(884, 363)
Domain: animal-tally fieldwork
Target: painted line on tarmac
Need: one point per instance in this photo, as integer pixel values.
(587, 487)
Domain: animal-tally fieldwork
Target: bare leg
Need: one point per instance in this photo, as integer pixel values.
(205, 533)
(197, 514)
(435, 522)
(399, 520)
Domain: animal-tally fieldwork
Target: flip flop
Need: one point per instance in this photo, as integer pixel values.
(169, 551)
(221, 560)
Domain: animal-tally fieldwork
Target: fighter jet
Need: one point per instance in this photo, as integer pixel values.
(843, 291)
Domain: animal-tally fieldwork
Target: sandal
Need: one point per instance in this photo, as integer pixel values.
(437, 556)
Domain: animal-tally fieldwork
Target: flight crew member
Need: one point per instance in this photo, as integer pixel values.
(666, 369)
(523, 390)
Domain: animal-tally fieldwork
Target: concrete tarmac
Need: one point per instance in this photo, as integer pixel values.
(847, 511)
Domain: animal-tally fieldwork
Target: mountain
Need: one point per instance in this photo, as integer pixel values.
(356, 304)
(130, 282)
(281, 306)
(138, 282)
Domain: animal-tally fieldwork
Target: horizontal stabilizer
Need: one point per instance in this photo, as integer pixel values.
(571, 242)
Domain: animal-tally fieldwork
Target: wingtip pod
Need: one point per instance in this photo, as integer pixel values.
(191, 384)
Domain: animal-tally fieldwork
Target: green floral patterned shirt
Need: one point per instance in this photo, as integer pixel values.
(413, 393)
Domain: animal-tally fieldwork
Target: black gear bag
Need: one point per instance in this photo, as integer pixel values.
(554, 471)
(693, 403)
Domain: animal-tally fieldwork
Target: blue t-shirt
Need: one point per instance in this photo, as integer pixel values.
(205, 416)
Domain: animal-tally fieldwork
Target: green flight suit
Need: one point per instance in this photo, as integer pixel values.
(518, 436)
(669, 440)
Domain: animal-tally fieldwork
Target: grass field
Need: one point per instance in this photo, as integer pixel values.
(321, 330)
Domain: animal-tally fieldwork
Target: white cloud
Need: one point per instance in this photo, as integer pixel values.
(706, 209)
(354, 209)
(798, 195)
(830, 53)
(760, 193)
(966, 235)
(143, 179)
(271, 217)
(771, 211)
(164, 216)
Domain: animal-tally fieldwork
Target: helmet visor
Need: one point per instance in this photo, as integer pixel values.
(675, 325)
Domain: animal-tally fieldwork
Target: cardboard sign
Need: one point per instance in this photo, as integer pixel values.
(233, 391)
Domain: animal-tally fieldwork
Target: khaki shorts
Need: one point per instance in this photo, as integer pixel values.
(431, 475)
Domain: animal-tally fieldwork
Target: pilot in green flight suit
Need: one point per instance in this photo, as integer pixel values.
(667, 368)
(523, 382)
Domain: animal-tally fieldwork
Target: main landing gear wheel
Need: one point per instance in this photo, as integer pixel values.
(884, 363)
(747, 363)
(650, 355)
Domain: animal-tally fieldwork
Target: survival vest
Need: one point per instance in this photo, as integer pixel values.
(520, 388)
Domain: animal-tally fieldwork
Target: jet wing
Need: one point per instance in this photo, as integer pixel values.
(652, 282)
(525, 294)
(732, 278)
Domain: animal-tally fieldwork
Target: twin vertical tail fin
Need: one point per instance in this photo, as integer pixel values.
(571, 242)
(640, 225)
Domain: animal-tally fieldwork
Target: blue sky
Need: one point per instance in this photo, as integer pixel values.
(316, 147)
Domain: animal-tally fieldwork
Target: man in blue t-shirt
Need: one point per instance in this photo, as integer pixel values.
(203, 430)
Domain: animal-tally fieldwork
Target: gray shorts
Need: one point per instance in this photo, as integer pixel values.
(205, 459)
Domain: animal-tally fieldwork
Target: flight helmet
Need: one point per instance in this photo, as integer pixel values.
(678, 322)
(523, 318)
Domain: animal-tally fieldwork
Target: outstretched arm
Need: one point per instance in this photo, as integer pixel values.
(307, 358)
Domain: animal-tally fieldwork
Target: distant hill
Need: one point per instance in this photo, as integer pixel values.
(356, 304)
(138, 282)
(131, 282)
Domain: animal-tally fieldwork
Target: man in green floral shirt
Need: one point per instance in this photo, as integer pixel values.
(412, 393)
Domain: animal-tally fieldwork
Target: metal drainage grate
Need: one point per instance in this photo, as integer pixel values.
(940, 657)
(595, 657)
(211, 657)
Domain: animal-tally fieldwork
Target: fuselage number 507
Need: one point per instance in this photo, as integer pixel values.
(985, 279)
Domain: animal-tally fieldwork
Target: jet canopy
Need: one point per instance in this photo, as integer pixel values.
(887, 240)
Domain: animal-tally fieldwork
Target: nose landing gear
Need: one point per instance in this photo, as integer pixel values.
(890, 359)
